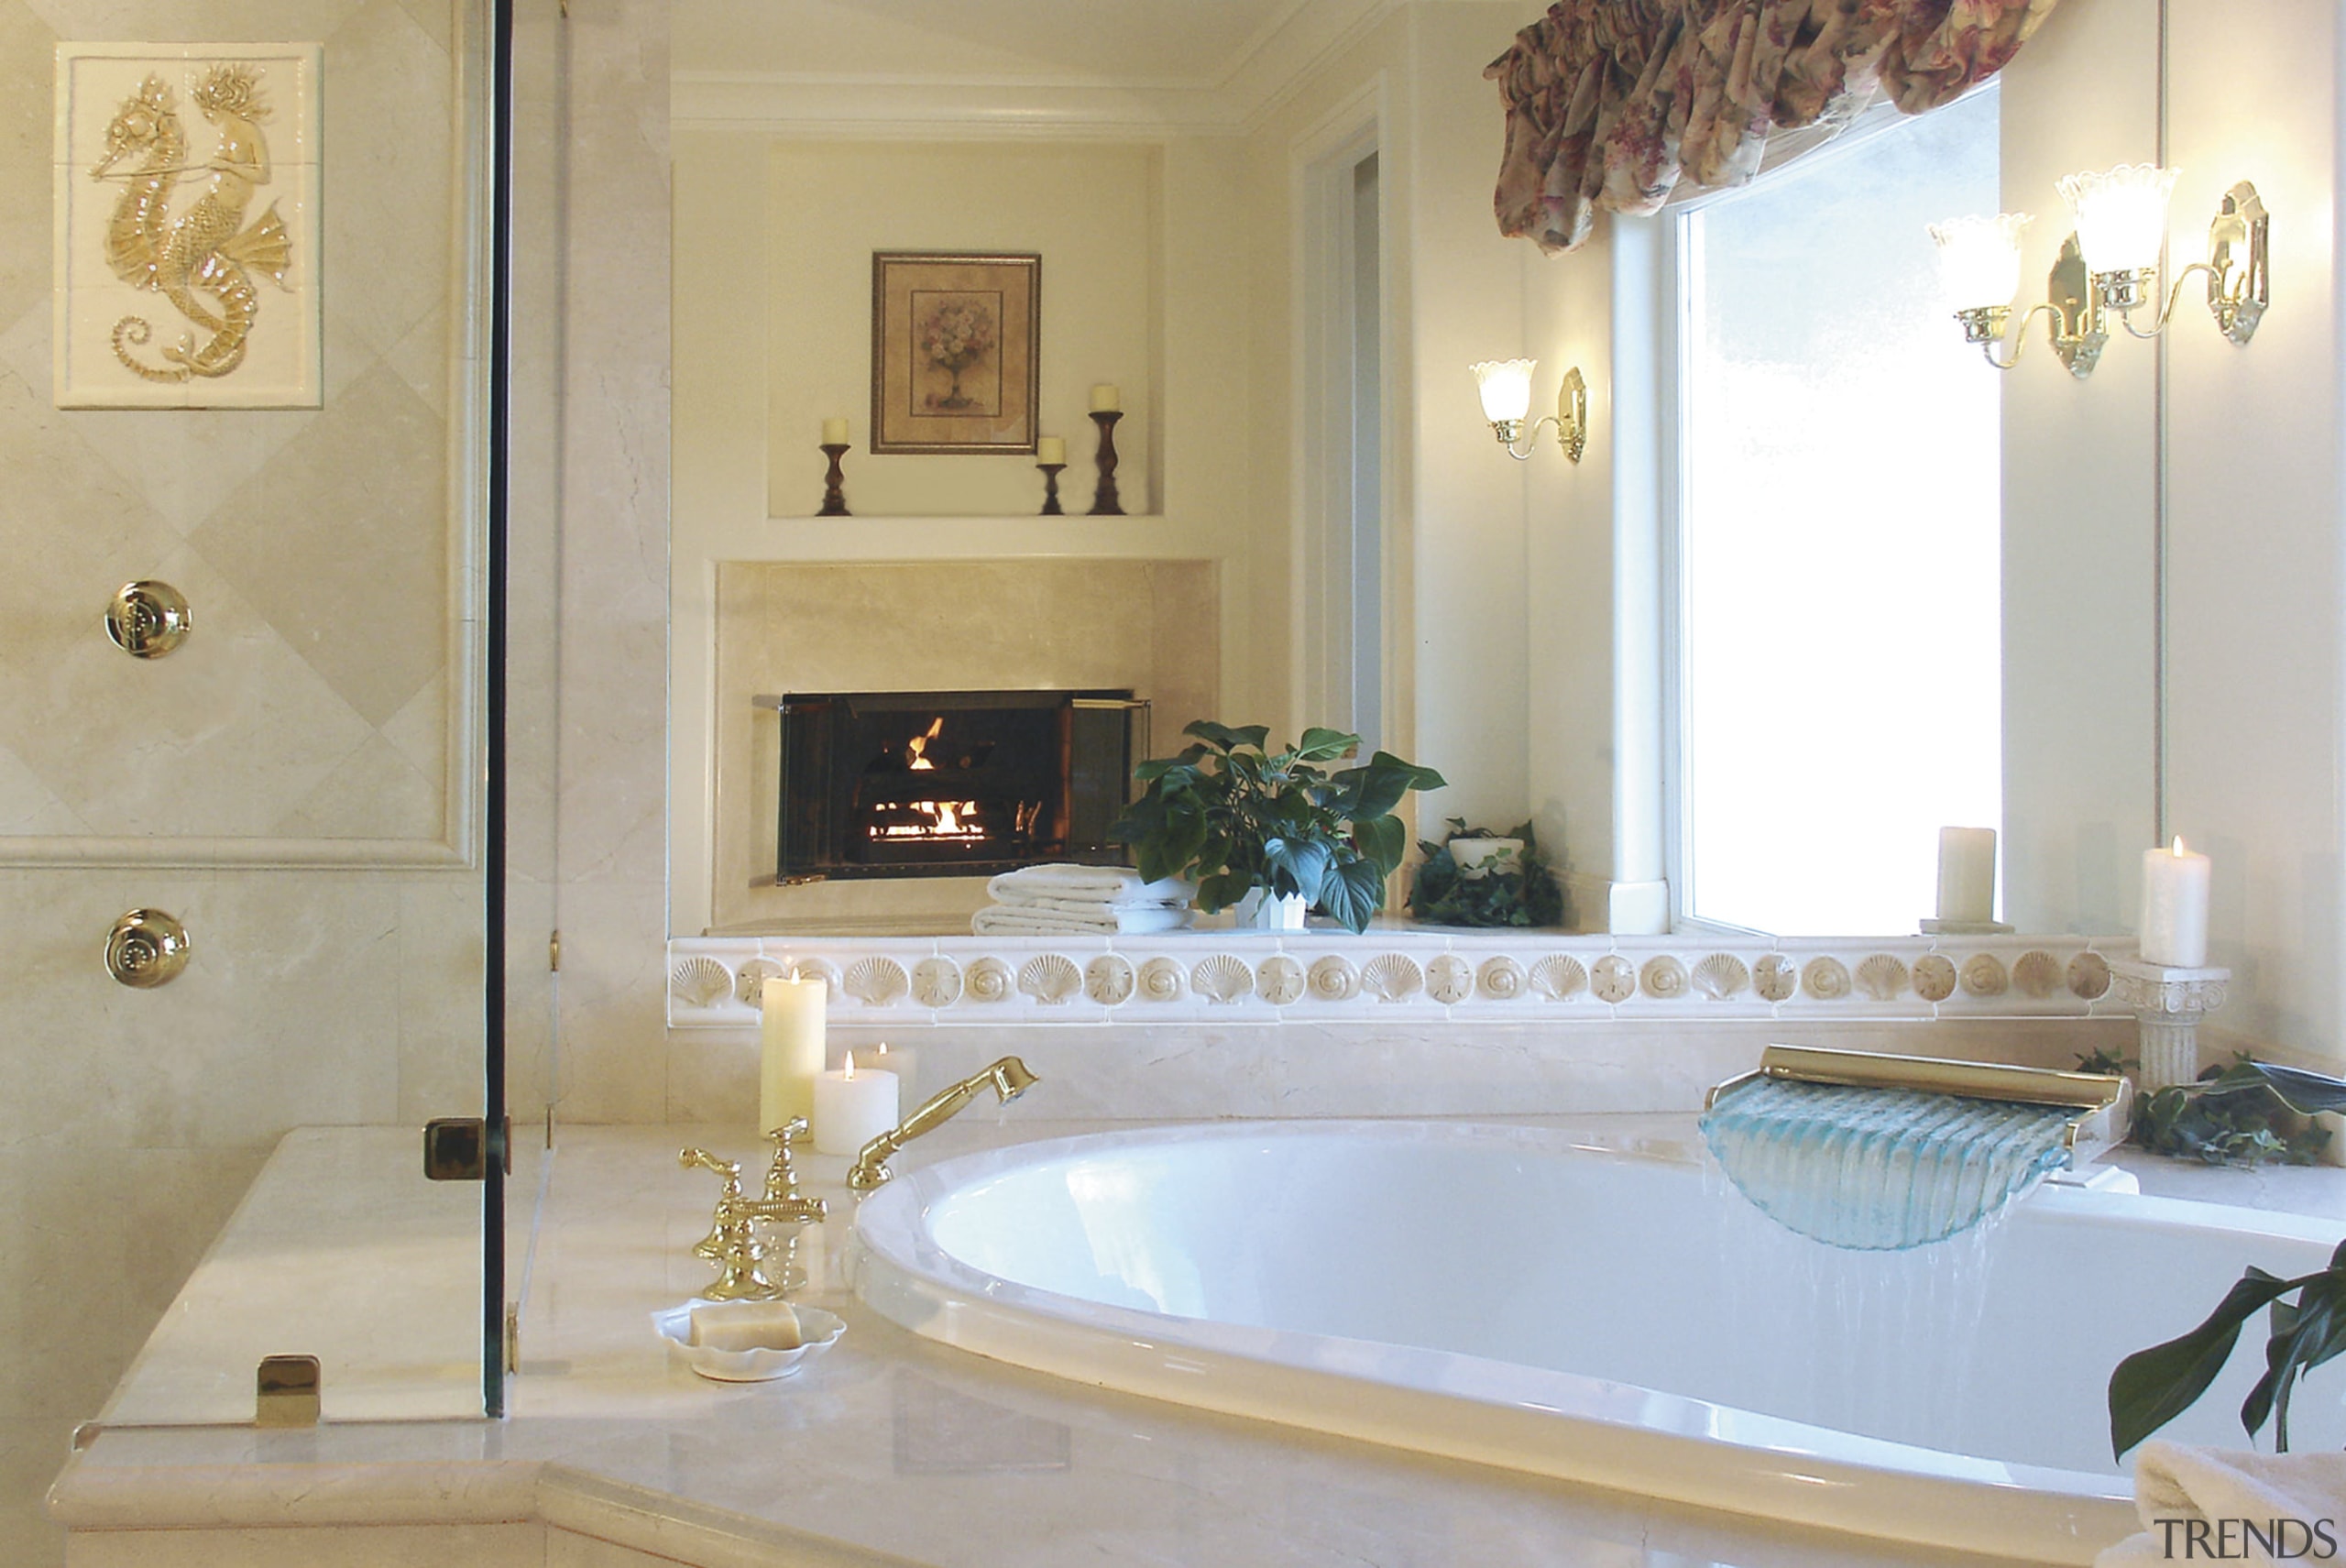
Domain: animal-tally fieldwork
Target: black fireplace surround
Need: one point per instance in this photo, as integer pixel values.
(953, 784)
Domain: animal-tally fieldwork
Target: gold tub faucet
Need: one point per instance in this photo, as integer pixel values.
(1008, 1078)
(732, 1241)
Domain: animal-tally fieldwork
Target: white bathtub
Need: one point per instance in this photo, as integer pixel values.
(1601, 1311)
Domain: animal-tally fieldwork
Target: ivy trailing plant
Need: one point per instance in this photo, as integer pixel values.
(1520, 890)
(2152, 1386)
(1234, 815)
(2244, 1114)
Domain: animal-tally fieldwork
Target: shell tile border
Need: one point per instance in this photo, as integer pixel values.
(1237, 977)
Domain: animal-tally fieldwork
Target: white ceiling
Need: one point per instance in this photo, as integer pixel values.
(1126, 43)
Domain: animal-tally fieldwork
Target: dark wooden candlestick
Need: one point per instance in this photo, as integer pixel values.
(835, 485)
(1051, 488)
(1103, 500)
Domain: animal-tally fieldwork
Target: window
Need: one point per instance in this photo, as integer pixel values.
(1837, 659)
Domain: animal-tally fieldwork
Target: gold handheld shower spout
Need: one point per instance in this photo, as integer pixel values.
(1008, 1078)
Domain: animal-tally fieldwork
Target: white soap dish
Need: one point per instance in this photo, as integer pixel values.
(819, 1331)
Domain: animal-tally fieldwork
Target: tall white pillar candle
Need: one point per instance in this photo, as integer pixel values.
(851, 1108)
(790, 1019)
(1105, 399)
(902, 1060)
(2175, 907)
(1967, 874)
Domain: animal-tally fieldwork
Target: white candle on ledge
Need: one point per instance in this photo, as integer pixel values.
(852, 1108)
(835, 432)
(902, 1060)
(1967, 874)
(2174, 928)
(1051, 449)
(790, 1057)
(1104, 398)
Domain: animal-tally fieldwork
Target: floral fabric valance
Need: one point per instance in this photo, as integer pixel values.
(1611, 103)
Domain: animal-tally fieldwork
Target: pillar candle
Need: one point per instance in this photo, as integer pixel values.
(1050, 449)
(902, 1060)
(1967, 874)
(835, 432)
(852, 1108)
(2175, 907)
(1105, 399)
(790, 1016)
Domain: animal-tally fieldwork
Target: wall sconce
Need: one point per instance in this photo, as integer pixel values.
(2108, 264)
(1506, 389)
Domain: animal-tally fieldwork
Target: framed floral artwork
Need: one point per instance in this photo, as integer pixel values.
(955, 347)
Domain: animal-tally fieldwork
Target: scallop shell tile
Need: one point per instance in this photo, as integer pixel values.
(1826, 979)
(937, 983)
(700, 981)
(2037, 973)
(1108, 980)
(1983, 974)
(1450, 980)
(1392, 977)
(876, 981)
(2089, 976)
(1775, 978)
(1613, 979)
(1883, 977)
(1934, 978)
(1721, 976)
(1558, 977)
(1333, 979)
(1049, 977)
(1664, 976)
(1221, 978)
(1161, 980)
(1501, 978)
(988, 979)
(818, 969)
(750, 980)
(1278, 980)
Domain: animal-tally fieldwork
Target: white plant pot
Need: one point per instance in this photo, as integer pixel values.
(1477, 858)
(1261, 912)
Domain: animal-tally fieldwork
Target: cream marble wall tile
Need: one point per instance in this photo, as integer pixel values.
(436, 17)
(341, 542)
(564, 1550)
(441, 1049)
(27, 48)
(610, 1022)
(370, 1546)
(179, 21)
(421, 359)
(28, 807)
(388, 140)
(31, 1453)
(375, 793)
(531, 994)
(220, 738)
(420, 731)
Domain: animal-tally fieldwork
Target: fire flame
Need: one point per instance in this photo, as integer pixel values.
(948, 818)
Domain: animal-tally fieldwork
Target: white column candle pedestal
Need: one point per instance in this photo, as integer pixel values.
(2169, 1004)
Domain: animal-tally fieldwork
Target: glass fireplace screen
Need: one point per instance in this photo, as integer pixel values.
(953, 784)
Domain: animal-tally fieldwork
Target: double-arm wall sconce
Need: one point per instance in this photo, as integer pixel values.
(1506, 387)
(2109, 265)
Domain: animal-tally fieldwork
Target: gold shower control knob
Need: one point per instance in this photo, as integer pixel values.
(147, 948)
(146, 619)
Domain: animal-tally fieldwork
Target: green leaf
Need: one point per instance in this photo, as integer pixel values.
(2152, 1386)
(1297, 865)
(1222, 889)
(1168, 854)
(1325, 745)
(1353, 894)
(1383, 840)
(2306, 1093)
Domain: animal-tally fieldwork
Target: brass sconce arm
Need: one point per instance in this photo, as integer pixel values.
(2079, 340)
(1571, 420)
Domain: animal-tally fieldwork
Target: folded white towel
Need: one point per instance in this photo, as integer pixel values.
(1090, 906)
(2289, 1497)
(1010, 920)
(1104, 884)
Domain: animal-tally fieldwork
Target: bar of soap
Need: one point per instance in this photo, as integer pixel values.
(745, 1325)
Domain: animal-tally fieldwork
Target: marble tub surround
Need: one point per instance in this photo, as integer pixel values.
(881, 1451)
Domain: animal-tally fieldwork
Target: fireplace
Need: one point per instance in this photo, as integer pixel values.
(953, 784)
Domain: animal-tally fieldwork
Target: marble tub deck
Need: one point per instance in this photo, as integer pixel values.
(887, 1450)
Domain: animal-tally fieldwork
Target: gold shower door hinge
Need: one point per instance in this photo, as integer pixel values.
(285, 1391)
(554, 952)
(457, 1148)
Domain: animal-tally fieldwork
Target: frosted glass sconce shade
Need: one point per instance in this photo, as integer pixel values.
(2122, 215)
(1505, 386)
(1979, 259)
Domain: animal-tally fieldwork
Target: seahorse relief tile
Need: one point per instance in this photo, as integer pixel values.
(187, 181)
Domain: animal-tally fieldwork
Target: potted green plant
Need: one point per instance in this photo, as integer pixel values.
(1234, 816)
(1476, 877)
